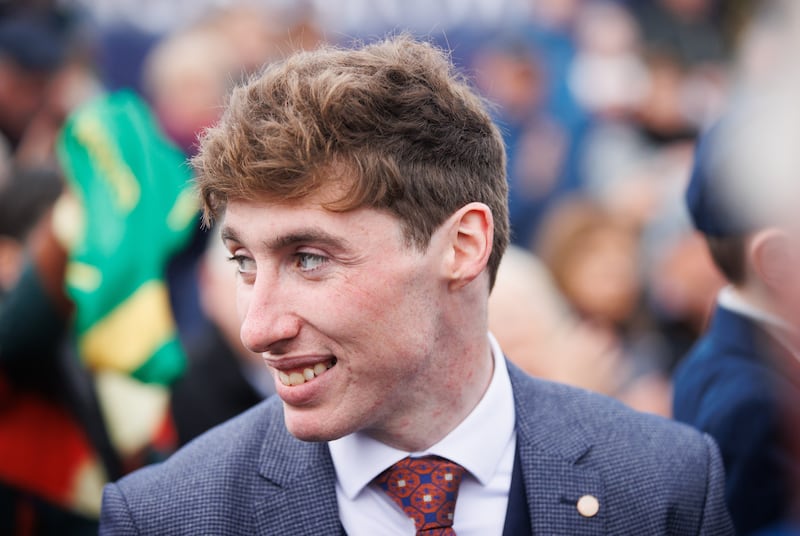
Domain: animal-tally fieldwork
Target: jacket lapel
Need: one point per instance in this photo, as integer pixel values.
(550, 450)
(554, 487)
(297, 477)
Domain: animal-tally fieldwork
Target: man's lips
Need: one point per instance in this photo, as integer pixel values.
(293, 372)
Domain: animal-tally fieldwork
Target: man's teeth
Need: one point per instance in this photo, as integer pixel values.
(307, 374)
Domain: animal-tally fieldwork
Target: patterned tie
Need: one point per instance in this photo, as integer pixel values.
(426, 489)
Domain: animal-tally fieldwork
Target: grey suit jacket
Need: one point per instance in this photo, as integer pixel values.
(249, 476)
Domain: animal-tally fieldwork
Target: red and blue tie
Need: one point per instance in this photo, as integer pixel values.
(426, 490)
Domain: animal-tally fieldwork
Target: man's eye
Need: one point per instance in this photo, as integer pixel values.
(243, 264)
(308, 262)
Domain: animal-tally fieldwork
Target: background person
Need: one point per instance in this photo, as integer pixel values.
(741, 383)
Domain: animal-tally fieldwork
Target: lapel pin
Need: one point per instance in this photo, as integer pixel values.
(588, 506)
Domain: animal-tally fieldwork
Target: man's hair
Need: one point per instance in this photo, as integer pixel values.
(728, 254)
(391, 122)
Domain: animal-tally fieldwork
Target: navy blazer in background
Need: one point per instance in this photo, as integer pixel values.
(251, 477)
(734, 385)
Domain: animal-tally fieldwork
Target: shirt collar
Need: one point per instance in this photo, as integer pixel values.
(730, 299)
(477, 444)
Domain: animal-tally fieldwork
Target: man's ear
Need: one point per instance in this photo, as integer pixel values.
(470, 235)
(771, 255)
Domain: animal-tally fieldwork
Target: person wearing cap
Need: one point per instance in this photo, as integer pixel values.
(740, 382)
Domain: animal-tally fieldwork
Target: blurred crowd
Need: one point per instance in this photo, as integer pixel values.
(608, 286)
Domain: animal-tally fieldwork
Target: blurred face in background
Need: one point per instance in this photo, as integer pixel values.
(601, 276)
(593, 256)
(607, 75)
(661, 110)
(22, 93)
(511, 77)
(689, 9)
(556, 14)
(684, 281)
(187, 78)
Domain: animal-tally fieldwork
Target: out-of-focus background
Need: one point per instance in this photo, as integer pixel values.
(607, 286)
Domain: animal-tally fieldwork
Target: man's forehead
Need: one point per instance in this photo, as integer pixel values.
(268, 207)
(241, 214)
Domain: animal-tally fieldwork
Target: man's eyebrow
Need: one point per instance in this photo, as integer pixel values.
(228, 234)
(306, 236)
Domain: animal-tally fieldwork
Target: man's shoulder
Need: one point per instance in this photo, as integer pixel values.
(598, 419)
(611, 439)
(233, 479)
(211, 462)
(715, 382)
(654, 475)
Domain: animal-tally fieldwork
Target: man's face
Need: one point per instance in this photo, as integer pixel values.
(344, 312)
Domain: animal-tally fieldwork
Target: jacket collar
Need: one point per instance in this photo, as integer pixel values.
(299, 476)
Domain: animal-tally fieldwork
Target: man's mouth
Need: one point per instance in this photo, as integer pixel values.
(301, 375)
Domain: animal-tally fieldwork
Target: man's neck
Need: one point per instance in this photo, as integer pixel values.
(462, 386)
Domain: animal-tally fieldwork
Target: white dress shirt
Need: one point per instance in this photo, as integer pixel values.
(730, 299)
(484, 444)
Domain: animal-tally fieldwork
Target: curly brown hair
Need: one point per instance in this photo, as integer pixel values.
(391, 121)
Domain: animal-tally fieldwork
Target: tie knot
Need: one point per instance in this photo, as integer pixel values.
(426, 490)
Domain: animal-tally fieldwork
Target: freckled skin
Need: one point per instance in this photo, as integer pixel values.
(383, 309)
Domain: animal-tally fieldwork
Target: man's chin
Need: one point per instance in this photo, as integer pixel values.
(311, 425)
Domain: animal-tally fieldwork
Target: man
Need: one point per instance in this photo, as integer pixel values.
(741, 382)
(363, 199)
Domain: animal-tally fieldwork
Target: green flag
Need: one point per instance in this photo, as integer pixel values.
(133, 208)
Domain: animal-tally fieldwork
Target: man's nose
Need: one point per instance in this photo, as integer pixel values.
(269, 320)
